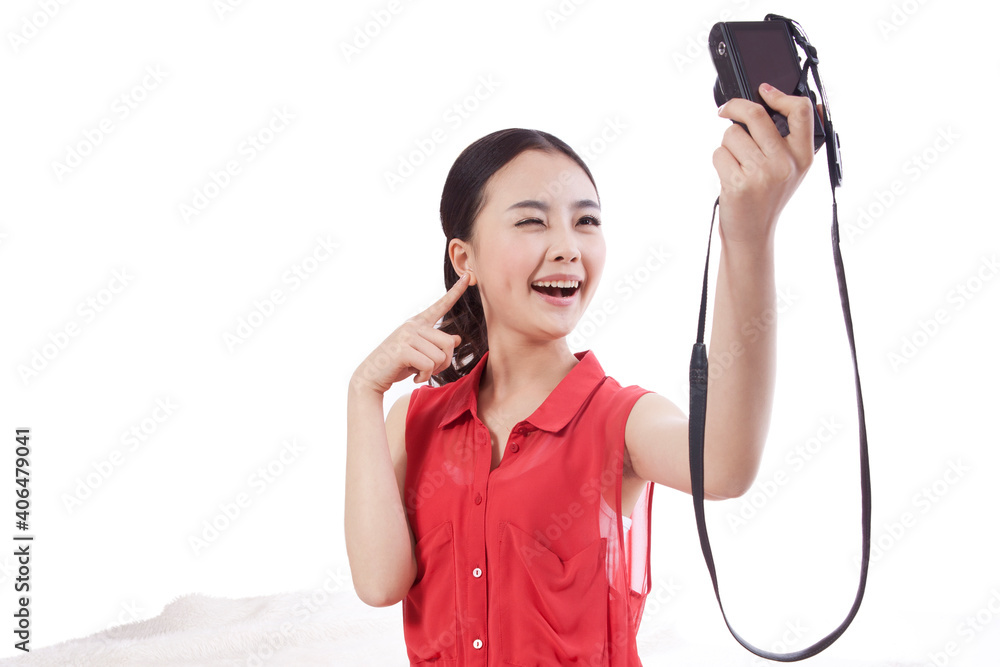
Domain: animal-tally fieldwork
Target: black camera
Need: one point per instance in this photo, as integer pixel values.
(749, 53)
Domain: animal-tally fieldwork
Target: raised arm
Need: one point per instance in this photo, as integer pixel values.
(380, 545)
(758, 171)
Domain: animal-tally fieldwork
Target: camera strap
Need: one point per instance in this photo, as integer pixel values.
(699, 396)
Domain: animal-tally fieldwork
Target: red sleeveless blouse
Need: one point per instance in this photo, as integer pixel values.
(531, 563)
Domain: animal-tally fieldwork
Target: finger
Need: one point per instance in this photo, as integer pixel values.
(446, 343)
(727, 166)
(799, 112)
(742, 146)
(437, 346)
(420, 364)
(440, 339)
(758, 122)
(429, 365)
(440, 308)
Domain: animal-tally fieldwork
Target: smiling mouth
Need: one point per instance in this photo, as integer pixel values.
(559, 292)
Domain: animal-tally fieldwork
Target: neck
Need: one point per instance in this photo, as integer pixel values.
(524, 369)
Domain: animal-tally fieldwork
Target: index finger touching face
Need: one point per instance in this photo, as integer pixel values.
(440, 308)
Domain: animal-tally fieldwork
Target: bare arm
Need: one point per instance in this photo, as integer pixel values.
(380, 544)
(740, 389)
(759, 171)
(379, 539)
(741, 368)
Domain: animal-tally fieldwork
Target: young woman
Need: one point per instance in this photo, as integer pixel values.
(508, 505)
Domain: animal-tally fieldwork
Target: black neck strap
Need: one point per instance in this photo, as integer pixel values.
(696, 440)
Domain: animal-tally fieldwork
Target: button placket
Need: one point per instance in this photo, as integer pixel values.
(477, 590)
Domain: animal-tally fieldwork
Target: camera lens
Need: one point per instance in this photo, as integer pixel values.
(721, 49)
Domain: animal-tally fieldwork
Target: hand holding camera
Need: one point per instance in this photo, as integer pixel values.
(759, 169)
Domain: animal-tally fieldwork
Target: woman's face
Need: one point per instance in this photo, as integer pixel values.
(540, 223)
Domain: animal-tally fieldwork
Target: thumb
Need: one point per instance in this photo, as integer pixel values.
(796, 108)
(458, 339)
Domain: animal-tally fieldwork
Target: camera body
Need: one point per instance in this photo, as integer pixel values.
(749, 53)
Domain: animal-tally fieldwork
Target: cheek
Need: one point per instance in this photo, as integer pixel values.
(594, 258)
(509, 267)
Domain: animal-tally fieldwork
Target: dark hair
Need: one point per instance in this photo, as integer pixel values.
(462, 200)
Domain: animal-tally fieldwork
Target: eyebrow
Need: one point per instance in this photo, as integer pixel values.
(542, 206)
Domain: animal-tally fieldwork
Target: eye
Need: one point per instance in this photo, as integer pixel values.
(527, 221)
(593, 221)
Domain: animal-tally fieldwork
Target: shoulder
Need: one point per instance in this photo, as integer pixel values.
(421, 406)
(642, 408)
(619, 401)
(428, 399)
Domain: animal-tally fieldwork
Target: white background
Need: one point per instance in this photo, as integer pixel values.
(900, 76)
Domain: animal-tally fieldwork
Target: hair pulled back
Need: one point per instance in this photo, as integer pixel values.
(462, 200)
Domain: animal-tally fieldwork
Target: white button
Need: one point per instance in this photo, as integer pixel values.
(477, 573)
(477, 644)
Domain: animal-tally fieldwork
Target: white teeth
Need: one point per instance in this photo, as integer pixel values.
(557, 283)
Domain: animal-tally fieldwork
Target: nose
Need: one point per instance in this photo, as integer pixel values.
(564, 246)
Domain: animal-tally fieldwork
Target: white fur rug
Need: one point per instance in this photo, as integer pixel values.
(272, 630)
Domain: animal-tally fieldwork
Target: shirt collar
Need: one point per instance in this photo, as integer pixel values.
(554, 413)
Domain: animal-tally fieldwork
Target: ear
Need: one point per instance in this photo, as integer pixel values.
(460, 254)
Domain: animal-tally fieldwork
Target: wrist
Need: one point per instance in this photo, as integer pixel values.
(747, 226)
(748, 253)
(362, 387)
